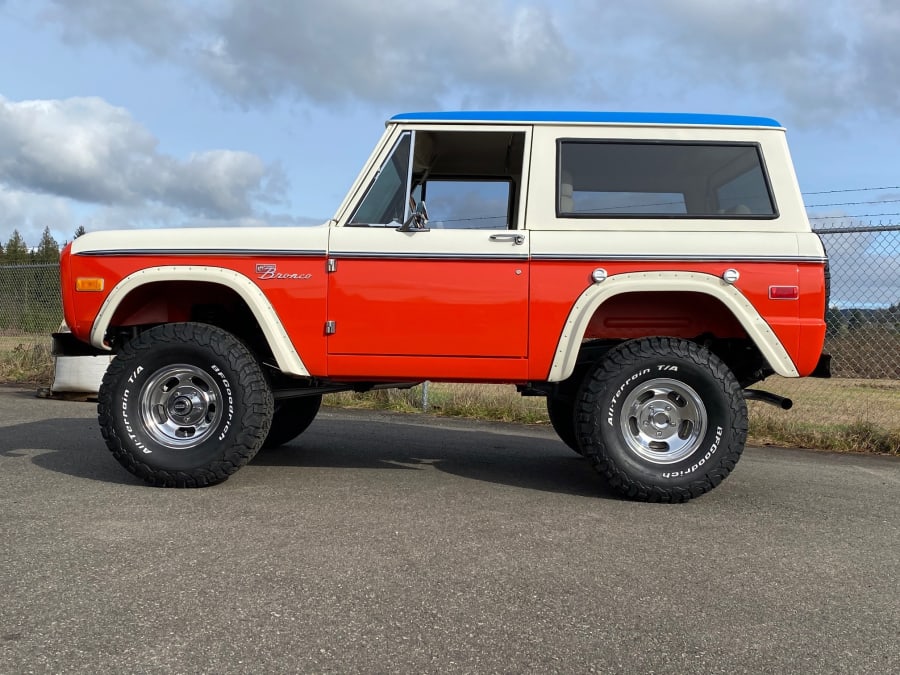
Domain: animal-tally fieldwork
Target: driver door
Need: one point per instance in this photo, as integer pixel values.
(454, 291)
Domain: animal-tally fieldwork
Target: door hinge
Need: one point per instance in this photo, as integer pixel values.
(329, 328)
(331, 265)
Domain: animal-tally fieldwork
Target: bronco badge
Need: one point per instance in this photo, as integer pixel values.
(266, 271)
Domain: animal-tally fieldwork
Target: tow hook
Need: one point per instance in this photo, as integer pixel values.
(768, 397)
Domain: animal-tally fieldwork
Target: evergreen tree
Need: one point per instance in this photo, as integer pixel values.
(16, 250)
(836, 322)
(48, 248)
(80, 231)
(856, 319)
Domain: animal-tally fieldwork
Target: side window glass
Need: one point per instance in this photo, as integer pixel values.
(622, 179)
(468, 204)
(745, 194)
(386, 199)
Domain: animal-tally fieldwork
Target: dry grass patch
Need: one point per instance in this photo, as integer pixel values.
(497, 402)
(842, 415)
(26, 362)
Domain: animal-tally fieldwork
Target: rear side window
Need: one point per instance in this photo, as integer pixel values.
(639, 179)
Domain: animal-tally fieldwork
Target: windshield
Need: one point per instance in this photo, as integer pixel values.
(385, 202)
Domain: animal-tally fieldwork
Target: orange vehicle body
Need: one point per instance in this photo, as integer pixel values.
(399, 319)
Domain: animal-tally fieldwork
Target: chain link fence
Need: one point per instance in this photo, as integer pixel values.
(30, 309)
(863, 332)
(30, 303)
(864, 311)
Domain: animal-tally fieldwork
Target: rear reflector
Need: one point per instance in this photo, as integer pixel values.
(784, 292)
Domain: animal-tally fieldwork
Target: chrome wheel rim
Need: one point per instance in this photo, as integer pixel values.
(663, 421)
(181, 406)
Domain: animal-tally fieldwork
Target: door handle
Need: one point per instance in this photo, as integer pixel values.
(517, 239)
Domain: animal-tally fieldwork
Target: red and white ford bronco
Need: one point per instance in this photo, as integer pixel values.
(639, 270)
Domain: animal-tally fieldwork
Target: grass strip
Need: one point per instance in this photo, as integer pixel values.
(817, 424)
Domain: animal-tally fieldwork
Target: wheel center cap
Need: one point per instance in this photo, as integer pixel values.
(182, 406)
(660, 420)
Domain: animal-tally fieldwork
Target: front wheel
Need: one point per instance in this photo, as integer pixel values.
(662, 419)
(184, 405)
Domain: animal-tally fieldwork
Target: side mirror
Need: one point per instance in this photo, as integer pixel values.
(417, 221)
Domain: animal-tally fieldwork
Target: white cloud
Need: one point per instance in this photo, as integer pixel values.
(816, 59)
(147, 24)
(813, 57)
(405, 53)
(30, 213)
(87, 150)
(864, 268)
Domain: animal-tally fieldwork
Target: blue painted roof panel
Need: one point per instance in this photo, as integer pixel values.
(586, 117)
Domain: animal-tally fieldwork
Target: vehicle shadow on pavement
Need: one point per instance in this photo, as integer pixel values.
(74, 447)
(536, 463)
(68, 446)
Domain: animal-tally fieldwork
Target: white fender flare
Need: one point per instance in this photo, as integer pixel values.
(695, 282)
(286, 356)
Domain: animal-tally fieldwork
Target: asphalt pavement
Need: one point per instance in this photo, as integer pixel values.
(382, 543)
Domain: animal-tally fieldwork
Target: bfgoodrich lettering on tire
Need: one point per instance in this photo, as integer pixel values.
(662, 419)
(184, 405)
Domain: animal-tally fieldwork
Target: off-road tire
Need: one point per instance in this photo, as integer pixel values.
(184, 405)
(664, 420)
(292, 417)
(561, 407)
(561, 411)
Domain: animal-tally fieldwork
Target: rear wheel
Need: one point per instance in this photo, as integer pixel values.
(184, 405)
(662, 419)
(292, 417)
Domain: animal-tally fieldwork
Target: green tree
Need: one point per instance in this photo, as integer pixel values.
(48, 248)
(856, 319)
(895, 315)
(78, 232)
(16, 250)
(836, 321)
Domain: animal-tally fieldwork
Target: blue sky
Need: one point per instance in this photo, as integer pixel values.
(172, 112)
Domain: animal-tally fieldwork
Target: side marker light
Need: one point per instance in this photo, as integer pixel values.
(89, 284)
